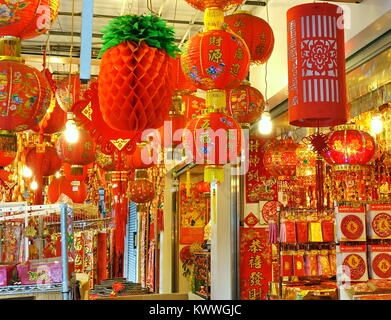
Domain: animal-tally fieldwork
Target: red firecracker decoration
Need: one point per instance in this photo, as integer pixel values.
(81, 152)
(76, 190)
(28, 18)
(8, 149)
(215, 59)
(141, 190)
(25, 94)
(316, 65)
(255, 31)
(350, 147)
(222, 4)
(280, 158)
(43, 161)
(245, 104)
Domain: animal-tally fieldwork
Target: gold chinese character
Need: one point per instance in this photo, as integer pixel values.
(254, 161)
(205, 124)
(255, 246)
(255, 262)
(216, 56)
(235, 69)
(239, 53)
(215, 41)
(255, 278)
(254, 145)
(239, 24)
(254, 294)
(253, 175)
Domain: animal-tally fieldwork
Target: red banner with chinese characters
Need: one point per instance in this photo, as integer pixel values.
(255, 263)
(259, 184)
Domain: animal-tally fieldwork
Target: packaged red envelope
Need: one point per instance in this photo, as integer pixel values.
(379, 221)
(350, 223)
(352, 262)
(379, 261)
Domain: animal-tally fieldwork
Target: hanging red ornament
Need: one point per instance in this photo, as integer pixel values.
(316, 66)
(69, 90)
(255, 31)
(141, 158)
(43, 160)
(28, 18)
(108, 162)
(8, 148)
(81, 152)
(306, 165)
(182, 84)
(245, 104)
(203, 187)
(76, 190)
(215, 59)
(141, 190)
(280, 158)
(193, 106)
(134, 76)
(76, 172)
(221, 4)
(54, 119)
(349, 147)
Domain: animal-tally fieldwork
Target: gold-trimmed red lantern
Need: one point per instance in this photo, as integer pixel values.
(316, 66)
(80, 153)
(215, 59)
(349, 147)
(245, 104)
(221, 4)
(203, 187)
(141, 190)
(255, 31)
(8, 148)
(280, 158)
(28, 18)
(43, 160)
(76, 190)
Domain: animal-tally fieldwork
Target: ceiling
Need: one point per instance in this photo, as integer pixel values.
(186, 20)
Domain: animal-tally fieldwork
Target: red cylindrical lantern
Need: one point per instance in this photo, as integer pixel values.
(81, 152)
(222, 4)
(76, 190)
(27, 19)
(141, 190)
(245, 104)
(170, 134)
(316, 65)
(43, 161)
(8, 148)
(215, 59)
(255, 31)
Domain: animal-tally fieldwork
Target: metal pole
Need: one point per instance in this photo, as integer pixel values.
(64, 253)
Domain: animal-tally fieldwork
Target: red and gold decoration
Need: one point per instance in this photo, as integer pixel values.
(316, 66)
(221, 4)
(379, 220)
(353, 260)
(54, 119)
(141, 190)
(379, 261)
(351, 223)
(68, 91)
(255, 31)
(182, 84)
(8, 148)
(193, 106)
(43, 160)
(141, 158)
(75, 190)
(245, 104)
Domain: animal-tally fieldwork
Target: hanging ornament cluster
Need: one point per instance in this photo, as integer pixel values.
(255, 31)
(316, 66)
(134, 77)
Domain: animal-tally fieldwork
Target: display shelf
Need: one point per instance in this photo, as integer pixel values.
(33, 289)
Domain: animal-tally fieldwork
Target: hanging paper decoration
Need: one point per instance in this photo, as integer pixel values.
(349, 147)
(43, 160)
(215, 59)
(255, 31)
(316, 66)
(221, 4)
(109, 162)
(54, 119)
(134, 77)
(306, 165)
(76, 190)
(27, 19)
(8, 148)
(213, 139)
(141, 190)
(192, 106)
(182, 84)
(81, 152)
(280, 158)
(68, 91)
(245, 104)
(141, 158)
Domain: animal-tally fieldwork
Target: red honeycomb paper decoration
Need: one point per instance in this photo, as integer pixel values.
(134, 89)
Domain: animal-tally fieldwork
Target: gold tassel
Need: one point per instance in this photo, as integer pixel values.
(188, 183)
(213, 19)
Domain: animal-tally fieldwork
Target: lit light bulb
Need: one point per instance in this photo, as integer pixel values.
(265, 125)
(377, 124)
(71, 132)
(57, 175)
(27, 173)
(34, 185)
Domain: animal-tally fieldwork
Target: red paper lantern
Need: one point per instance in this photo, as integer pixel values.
(350, 147)
(203, 187)
(28, 18)
(316, 65)
(76, 172)
(245, 104)
(213, 139)
(141, 191)
(25, 94)
(76, 190)
(141, 158)
(81, 152)
(182, 84)
(134, 86)
(215, 59)
(280, 158)
(255, 31)
(43, 161)
(222, 4)
(8, 149)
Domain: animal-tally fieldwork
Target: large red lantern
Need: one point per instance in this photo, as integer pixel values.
(349, 147)
(141, 190)
(28, 18)
(43, 160)
(76, 190)
(81, 152)
(280, 158)
(215, 59)
(255, 31)
(221, 4)
(316, 65)
(8, 148)
(245, 104)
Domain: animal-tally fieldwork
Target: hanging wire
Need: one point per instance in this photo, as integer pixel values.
(71, 54)
(150, 8)
(176, 6)
(267, 18)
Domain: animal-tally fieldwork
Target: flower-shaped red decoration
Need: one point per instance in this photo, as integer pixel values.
(222, 4)
(8, 149)
(255, 31)
(245, 104)
(215, 60)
